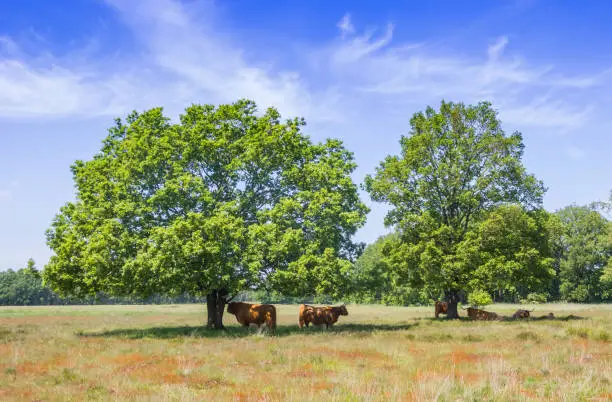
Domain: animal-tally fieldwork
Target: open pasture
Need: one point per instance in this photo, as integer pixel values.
(376, 353)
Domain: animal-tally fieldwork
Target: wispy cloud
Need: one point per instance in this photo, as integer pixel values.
(497, 48)
(345, 25)
(184, 61)
(375, 65)
(187, 57)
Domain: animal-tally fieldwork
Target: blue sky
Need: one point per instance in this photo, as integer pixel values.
(355, 70)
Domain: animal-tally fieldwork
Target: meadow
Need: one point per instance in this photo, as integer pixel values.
(376, 353)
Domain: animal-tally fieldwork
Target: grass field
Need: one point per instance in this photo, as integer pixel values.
(376, 353)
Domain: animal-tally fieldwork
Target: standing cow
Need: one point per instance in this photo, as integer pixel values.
(441, 308)
(258, 314)
(327, 315)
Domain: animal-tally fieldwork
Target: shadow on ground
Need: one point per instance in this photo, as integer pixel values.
(238, 332)
(504, 318)
(282, 330)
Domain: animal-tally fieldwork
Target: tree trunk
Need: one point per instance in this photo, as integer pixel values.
(452, 297)
(215, 305)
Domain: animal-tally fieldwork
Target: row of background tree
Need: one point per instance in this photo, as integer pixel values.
(25, 287)
(576, 241)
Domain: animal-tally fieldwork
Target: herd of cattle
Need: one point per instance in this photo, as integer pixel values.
(259, 314)
(477, 314)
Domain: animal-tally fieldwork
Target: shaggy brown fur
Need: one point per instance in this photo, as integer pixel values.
(327, 315)
(441, 308)
(482, 315)
(521, 314)
(258, 314)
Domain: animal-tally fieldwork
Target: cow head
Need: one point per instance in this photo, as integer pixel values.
(342, 310)
(232, 307)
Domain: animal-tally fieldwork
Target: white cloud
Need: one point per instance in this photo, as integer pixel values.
(362, 46)
(213, 67)
(497, 48)
(547, 114)
(26, 90)
(406, 71)
(188, 58)
(345, 26)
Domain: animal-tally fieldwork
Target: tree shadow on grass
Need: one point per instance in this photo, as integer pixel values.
(238, 332)
(502, 318)
(570, 317)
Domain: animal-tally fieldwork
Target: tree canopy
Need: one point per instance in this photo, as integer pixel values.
(222, 201)
(455, 165)
(585, 246)
(374, 279)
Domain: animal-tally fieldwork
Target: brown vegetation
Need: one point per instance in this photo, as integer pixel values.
(381, 353)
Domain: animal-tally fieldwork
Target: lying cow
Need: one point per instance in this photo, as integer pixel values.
(441, 308)
(482, 315)
(520, 313)
(327, 315)
(258, 314)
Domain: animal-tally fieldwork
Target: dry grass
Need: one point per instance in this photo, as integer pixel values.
(376, 353)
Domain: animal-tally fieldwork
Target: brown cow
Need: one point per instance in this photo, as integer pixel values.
(482, 315)
(441, 308)
(327, 315)
(521, 313)
(258, 314)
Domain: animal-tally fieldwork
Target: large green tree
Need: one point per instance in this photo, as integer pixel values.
(455, 165)
(585, 249)
(509, 253)
(222, 201)
(606, 278)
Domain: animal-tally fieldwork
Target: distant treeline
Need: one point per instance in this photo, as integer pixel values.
(575, 243)
(24, 287)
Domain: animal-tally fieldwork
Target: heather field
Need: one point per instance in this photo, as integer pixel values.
(84, 353)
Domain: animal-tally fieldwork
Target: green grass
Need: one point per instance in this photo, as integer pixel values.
(376, 353)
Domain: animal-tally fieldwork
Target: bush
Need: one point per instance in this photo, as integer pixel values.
(479, 298)
(535, 298)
